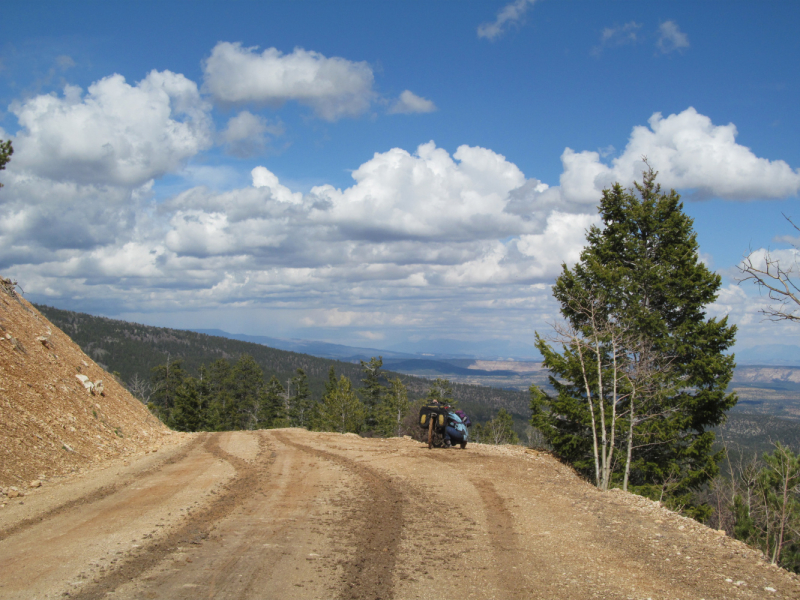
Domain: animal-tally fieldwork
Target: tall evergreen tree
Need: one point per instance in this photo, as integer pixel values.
(299, 403)
(393, 409)
(166, 379)
(205, 400)
(641, 274)
(372, 390)
(272, 412)
(222, 408)
(190, 410)
(332, 382)
(315, 416)
(341, 410)
(245, 383)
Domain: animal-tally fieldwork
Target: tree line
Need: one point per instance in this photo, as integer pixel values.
(235, 395)
(227, 396)
(132, 350)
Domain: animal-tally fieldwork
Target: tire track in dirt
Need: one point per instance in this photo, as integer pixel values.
(194, 529)
(281, 542)
(368, 575)
(99, 493)
(233, 564)
(439, 529)
(532, 577)
(504, 542)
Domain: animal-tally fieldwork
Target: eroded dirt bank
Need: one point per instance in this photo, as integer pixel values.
(289, 514)
(60, 411)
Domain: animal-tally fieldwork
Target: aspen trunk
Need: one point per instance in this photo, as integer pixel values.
(630, 445)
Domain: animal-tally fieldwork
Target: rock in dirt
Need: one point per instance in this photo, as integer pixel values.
(50, 426)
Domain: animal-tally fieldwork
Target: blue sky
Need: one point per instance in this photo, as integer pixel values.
(191, 164)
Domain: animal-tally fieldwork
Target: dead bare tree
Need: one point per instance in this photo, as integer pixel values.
(497, 432)
(535, 438)
(723, 491)
(776, 279)
(141, 388)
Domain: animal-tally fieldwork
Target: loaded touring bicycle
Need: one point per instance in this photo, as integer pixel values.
(435, 418)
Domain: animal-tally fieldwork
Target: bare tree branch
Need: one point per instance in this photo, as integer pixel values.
(776, 280)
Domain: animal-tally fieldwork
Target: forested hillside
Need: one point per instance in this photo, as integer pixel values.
(134, 350)
(753, 434)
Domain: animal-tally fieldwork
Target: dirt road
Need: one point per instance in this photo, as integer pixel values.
(287, 514)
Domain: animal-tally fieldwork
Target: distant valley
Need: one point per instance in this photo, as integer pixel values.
(769, 395)
(771, 389)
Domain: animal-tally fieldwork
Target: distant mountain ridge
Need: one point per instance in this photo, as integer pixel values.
(772, 377)
(134, 349)
(131, 348)
(319, 349)
(769, 355)
(417, 365)
(768, 366)
(458, 353)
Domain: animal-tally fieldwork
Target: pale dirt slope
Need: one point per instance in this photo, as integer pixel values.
(288, 514)
(50, 424)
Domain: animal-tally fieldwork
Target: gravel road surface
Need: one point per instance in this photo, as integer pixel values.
(289, 514)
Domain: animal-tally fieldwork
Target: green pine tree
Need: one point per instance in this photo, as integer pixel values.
(189, 411)
(393, 409)
(166, 379)
(641, 275)
(372, 390)
(341, 410)
(300, 403)
(224, 410)
(332, 382)
(245, 383)
(272, 413)
(315, 413)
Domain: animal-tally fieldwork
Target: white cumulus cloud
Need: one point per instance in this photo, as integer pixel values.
(429, 194)
(115, 134)
(416, 232)
(333, 87)
(690, 153)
